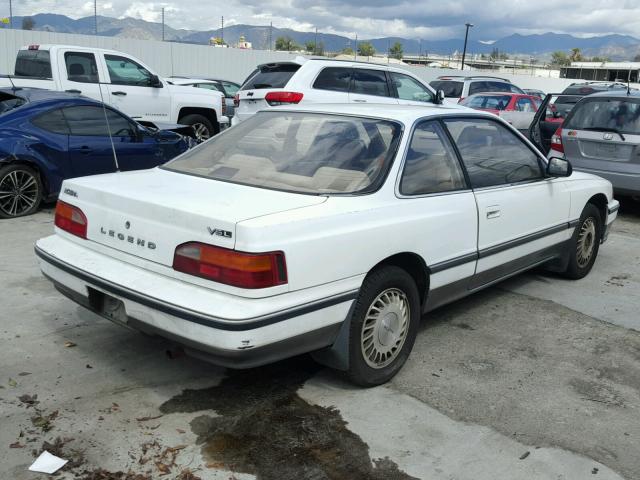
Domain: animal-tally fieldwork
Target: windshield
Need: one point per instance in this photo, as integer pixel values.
(621, 115)
(490, 102)
(298, 152)
(9, 102)
(451, 89)
(273, 75)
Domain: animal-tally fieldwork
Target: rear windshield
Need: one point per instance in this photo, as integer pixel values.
(33, 64)
(451, 89)
(298, 152)
(620, 115)
(491, 102)
(273, 75)
(9, 102)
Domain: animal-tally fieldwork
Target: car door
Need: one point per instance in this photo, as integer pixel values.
(79, 73)
(132, 90)
(436, 198)
(370, 86)
(523, 217)
(409, 91)
(331, 85)
(54, 147)
(91, 148)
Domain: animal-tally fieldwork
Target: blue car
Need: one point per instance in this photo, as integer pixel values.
(46, 137)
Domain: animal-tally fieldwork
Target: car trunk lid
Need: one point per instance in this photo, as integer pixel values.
(147, 214)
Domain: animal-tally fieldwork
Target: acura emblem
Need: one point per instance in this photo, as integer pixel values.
(608, 136)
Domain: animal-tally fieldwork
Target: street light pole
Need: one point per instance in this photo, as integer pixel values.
(95, 15)
(315, 43)
(163, 24)
(466, 37)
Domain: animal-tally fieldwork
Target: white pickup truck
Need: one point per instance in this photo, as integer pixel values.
(119, 80)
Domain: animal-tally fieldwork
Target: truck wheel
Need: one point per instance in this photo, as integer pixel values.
(202, 127)
(20, 191)
(383, 327)
(585, 243)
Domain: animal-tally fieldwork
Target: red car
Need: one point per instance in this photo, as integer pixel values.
(516, 108)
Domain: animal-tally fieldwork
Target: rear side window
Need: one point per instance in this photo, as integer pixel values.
(370, 82)
(81, 67)
(606, 114)
(272, 75)
(90, 121)
(479, 87)
(490, 102)
(334, 78)
(525, 105)
(52, 121)
(451, 88)
(431, 165)
(492, 154)
(33, 64)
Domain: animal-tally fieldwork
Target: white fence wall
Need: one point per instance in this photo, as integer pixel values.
(168, 58)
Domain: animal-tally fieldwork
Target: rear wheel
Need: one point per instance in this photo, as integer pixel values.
(202, 126)
(20, 191)
(383, 327)
(585, 243)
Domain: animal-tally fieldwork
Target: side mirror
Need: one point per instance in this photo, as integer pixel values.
(155, 82)
(440, 97)
(559, 167)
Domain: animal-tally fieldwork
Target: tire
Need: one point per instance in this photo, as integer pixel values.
(20, 191)
(202, 126)
(380, 344)
(585, 243)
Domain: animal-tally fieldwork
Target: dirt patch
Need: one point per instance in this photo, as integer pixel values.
(266, 429)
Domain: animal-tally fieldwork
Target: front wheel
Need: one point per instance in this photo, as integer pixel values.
(585, 243)
(203, 129)
(383, 327)
(20, 191)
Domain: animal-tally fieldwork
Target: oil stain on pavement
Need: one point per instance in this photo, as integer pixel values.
(264, 428)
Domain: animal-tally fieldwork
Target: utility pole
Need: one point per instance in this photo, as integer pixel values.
(95, 14)
(388, 50)
(315, 44)
(163, 24)
(355, 51)
(222, 30)
(270, 36)
(466, 37)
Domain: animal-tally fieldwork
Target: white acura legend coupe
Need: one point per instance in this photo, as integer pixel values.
(328, 229)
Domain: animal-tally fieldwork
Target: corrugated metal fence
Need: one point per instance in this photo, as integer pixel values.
(168, 58)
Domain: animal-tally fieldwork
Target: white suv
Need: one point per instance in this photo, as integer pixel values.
(457, 87)
(305, 80)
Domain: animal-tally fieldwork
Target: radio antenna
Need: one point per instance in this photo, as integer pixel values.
(106, 119)
(13, 85)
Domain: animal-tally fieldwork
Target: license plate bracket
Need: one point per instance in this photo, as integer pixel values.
(107, 306)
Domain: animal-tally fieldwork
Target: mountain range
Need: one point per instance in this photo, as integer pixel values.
(616, 47)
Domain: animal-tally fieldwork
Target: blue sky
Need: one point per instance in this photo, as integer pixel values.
(428, 19)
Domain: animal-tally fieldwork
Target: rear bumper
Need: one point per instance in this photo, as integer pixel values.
(246, 341)
(612, 213)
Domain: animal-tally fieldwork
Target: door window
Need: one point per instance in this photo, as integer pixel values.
(52, 121)
(410, 89)
(334, 78)
(90, 121)
(81, 67)
(370, 82)
(525, 105)
(124, 71)
(492, 154)
(230, 88)
(431, 165)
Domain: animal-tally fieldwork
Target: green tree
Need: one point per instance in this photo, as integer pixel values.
(560, 59)
(310, 46)
(576, 55)
(286, 44)
(636, 58)
(600, 59)
(365, 49)
(396, 51)
(28, 23)
(347, 51)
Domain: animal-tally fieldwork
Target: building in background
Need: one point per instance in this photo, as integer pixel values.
(602, 71)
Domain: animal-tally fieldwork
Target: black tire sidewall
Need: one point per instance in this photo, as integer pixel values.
(376, 282)
(4, 170)
(194, 118)
(574, 271)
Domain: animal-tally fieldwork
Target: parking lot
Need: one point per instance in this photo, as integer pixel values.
(535, 378)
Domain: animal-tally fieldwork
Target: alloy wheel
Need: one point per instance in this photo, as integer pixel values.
(385, 328)
(18, 192)
(586, 242)
(202, 132)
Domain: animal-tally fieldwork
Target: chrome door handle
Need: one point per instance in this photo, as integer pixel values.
(119, 93)
(359, 101)
(493, 213)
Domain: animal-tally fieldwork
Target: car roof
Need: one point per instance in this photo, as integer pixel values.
(331, 62)
(406, 114)
(40, 94)
(188, 80)
(471, 77)
(617, 94)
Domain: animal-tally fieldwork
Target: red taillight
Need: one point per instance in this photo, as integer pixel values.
(556, 141)
(71, 219)
(239, 269)
(283, 98)
(224, 106)
(34, 47)
(236, 100)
